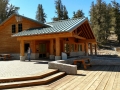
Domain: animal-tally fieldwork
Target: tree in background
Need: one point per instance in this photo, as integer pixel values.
(6, 9)
(40, 15)
(100, 18)
(78, 14)
(61, 11)
(65, 13)
(116, 19)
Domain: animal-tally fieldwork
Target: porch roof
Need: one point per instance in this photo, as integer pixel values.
(55, 27)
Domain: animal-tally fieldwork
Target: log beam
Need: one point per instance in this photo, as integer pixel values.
(79, 37)
(57, 46)
(22, 43)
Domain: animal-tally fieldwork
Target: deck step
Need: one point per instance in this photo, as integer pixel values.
(32, 77)
(42, 81)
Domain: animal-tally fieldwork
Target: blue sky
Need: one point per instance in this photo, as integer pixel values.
(28, 8)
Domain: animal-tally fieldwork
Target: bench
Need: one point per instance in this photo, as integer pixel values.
(5, 56)
(83, 61)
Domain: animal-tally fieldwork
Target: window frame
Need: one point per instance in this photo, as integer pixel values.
(13, 28)
(20, 27)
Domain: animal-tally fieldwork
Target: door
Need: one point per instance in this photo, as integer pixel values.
(42, 50)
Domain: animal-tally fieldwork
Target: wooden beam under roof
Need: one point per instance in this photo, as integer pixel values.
(79, 37)
(85, 34)
(46, 36)
(88, 40)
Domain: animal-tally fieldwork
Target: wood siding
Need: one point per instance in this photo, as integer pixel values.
(10, 44)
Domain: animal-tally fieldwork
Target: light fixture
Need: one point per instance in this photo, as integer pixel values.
(67, 39)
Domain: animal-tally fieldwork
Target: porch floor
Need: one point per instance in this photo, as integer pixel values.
(95, 78)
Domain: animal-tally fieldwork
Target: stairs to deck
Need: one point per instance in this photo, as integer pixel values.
(44, 78)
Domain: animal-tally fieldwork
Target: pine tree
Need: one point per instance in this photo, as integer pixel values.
(61, 11)
(40, 15)
(6, 9)
(78, 14)
(93, 19)
(116, 14)
(74, 15)
(99, 20)
(65, 13)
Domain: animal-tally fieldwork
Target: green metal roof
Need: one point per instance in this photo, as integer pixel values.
(55, 27)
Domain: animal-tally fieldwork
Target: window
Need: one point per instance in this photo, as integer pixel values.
(19, 27)
(13, 28)
(66, 46)
(79, 47)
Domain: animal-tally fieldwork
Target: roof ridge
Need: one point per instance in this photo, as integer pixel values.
(65, 20)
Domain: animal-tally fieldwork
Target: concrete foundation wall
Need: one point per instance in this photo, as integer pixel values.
(15, 56)
(62, 66)
(77, 53)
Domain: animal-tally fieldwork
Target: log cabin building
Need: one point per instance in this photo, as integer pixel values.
(72, 36)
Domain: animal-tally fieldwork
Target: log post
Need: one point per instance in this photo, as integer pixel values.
(22, 53)
(57, 45)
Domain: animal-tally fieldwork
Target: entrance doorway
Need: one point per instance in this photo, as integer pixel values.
(42, 50)
(26, 47)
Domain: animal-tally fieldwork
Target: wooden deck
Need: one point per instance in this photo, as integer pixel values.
(95, 78)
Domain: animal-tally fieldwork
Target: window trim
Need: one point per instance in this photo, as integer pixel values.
(13, 28)
(20, 27)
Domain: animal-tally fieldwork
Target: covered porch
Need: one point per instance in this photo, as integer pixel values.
(73, 37)
(53, 47)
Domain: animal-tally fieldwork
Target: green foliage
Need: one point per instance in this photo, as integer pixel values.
(78, 14)
(6, 9)
(40, 15)
(61, 11)
(65, 13)
(102, 20)
(116, 15)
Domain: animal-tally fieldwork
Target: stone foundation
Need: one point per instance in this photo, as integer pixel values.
(22, 58)
(57, 57)
(52, 57)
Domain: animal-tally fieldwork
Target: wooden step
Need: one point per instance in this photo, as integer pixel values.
(45, 80)
(33, 77)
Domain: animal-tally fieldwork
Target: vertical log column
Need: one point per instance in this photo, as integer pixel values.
(86, 49)
(57, 57)
(22, 53)
(52, 56)
(76, 47)
(95, 49)
(83, 47)
(91, 49)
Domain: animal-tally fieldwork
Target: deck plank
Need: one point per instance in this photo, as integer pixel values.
(105, 79)
(111, 80)
(116, 85)
(96, 80)
(79, 79)
(88, 80)
(56, 83)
